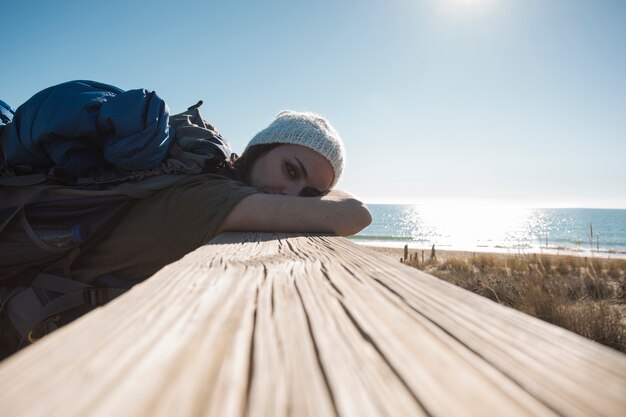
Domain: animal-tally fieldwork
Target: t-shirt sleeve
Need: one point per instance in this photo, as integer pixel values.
(162, 228)
(197, 208)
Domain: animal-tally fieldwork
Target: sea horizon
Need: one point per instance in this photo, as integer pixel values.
(498, 228)
(497, 203)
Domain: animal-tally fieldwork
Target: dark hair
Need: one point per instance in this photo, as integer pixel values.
(243, 164)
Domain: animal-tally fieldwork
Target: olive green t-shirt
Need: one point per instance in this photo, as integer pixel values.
(162, 228)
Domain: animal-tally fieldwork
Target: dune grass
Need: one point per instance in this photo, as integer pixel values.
(584, 295)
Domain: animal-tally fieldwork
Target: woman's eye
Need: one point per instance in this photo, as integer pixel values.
(291, 171)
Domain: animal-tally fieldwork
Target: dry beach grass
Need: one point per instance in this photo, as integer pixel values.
(584, 295)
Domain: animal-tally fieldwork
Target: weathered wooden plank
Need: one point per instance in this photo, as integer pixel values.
(270, 325)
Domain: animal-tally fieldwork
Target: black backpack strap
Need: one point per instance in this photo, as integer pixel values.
(17, 209)
(58, 284)
(91, 297)
(23, 180)
(28, 310)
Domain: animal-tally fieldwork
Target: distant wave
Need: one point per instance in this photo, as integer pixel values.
(390, 238)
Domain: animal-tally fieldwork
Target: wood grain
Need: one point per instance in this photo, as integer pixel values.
(287, 325)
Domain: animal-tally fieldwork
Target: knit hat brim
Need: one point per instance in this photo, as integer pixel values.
(306, 129)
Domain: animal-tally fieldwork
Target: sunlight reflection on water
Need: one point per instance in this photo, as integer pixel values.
(467, 226)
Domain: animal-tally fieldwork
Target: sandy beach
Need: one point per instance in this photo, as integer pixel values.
(443, 255)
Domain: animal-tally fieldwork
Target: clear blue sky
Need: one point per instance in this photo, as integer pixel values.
(517, 101)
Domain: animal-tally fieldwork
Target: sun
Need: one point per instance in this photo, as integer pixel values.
(468, 2)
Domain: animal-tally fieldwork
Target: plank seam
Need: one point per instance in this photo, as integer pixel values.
(317, 352)
(369, 340)
(251, 355)
(497, 368)
(327, 276)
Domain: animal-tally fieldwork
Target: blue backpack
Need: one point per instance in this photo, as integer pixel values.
(6, 115)
(73, 158)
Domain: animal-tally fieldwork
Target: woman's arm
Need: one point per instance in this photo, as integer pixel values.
(337, 212)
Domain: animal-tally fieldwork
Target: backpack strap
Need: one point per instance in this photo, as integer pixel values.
(23, 180)
(17, 208)
(33, 236)
(58, 284)
(27, 311)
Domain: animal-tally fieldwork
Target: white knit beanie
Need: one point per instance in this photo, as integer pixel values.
(306, 129)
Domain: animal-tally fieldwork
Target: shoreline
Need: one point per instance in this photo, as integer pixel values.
(397, 251)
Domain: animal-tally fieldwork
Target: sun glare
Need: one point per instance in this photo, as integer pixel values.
(468, 8)
(459, 2)
(468, 3)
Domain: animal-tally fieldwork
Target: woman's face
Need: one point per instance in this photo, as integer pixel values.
(292, 170)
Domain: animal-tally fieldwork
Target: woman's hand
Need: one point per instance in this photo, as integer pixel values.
(337, 212)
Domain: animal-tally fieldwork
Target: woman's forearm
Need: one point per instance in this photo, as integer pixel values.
(337, 212)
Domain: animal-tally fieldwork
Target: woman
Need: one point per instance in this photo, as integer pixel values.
(299, 154)
(82, 129)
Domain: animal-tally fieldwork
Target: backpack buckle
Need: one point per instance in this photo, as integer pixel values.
(100, 296)
(94, 297)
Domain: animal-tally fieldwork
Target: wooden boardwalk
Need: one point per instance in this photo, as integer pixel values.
(277, 325)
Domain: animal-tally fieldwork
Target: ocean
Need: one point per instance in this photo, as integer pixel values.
(497, 229)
